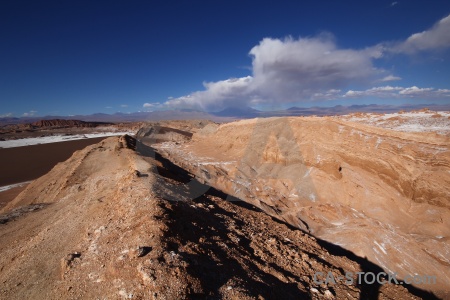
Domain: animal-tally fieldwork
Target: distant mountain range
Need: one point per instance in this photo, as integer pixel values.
(66, 123)
(121, 117)
(239, 112)
(227, 114)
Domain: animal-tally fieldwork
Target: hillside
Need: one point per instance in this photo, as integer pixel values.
(66, 123)
(100, 225)
(379, 193)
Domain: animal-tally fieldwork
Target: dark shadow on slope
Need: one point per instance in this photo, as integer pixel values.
(370, 291)
(219, 256)
(168, 169)
(21, 211)
(217, 260)
(214, 266)
(144, 150)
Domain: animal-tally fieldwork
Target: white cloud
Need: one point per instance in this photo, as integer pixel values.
(289, 70)
(108, 107)
(217, 95)
(437, 37)
(6, 115)
(394, 3)
(328, 95)
(382, 91)
(414, 90)
(292, 70)
(312, 69)
(391, 78)
(124, 105)
(399, 92)
(152, 105)
(31, 113)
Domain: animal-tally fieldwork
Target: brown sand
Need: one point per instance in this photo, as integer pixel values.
(26, 163)
(97, 226)
(10, 194)
(379, 193)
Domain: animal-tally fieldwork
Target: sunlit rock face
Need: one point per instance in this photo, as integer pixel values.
(382, 194)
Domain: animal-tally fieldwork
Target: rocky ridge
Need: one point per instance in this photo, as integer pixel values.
(100, 226)
(382, 194)
(66, 123)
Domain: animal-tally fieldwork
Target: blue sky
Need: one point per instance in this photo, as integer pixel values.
(83, 57)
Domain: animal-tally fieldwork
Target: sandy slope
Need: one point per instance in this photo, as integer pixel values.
(74, 234)
(380, 193)
(28, 163)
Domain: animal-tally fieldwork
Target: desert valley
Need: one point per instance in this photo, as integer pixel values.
(225, 150)
(249, 209)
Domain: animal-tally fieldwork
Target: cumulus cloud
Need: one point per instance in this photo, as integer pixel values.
(312, 69)
(436, 38)
(414, 90)
(152, 105)
(394, 3)
(124, 105)
(31, 113)
(390, 78)
(6, 115)
(217, 95)
(288, 70)
(399, 92)
(292, 70)
(327, 95)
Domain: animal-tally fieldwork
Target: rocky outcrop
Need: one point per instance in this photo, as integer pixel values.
(66, 123)
(54, 127)
(171, 131)
(43, 125)
(157, 134)
(382, 194)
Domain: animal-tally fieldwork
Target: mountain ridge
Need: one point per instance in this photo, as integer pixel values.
(98, 225)
(228, 114)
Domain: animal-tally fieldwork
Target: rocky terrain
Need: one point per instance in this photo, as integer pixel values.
(423, 120)
(379, 193)
(161, 216)
(66, 123)
(50, 124)
(62, 127)
(103, 225)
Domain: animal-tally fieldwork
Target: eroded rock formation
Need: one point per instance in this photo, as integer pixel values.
(98, 226)
(382, 194)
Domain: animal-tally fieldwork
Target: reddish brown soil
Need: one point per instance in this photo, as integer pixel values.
(10, 194)
(74, 234)
(379, 193)
(22, 164)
